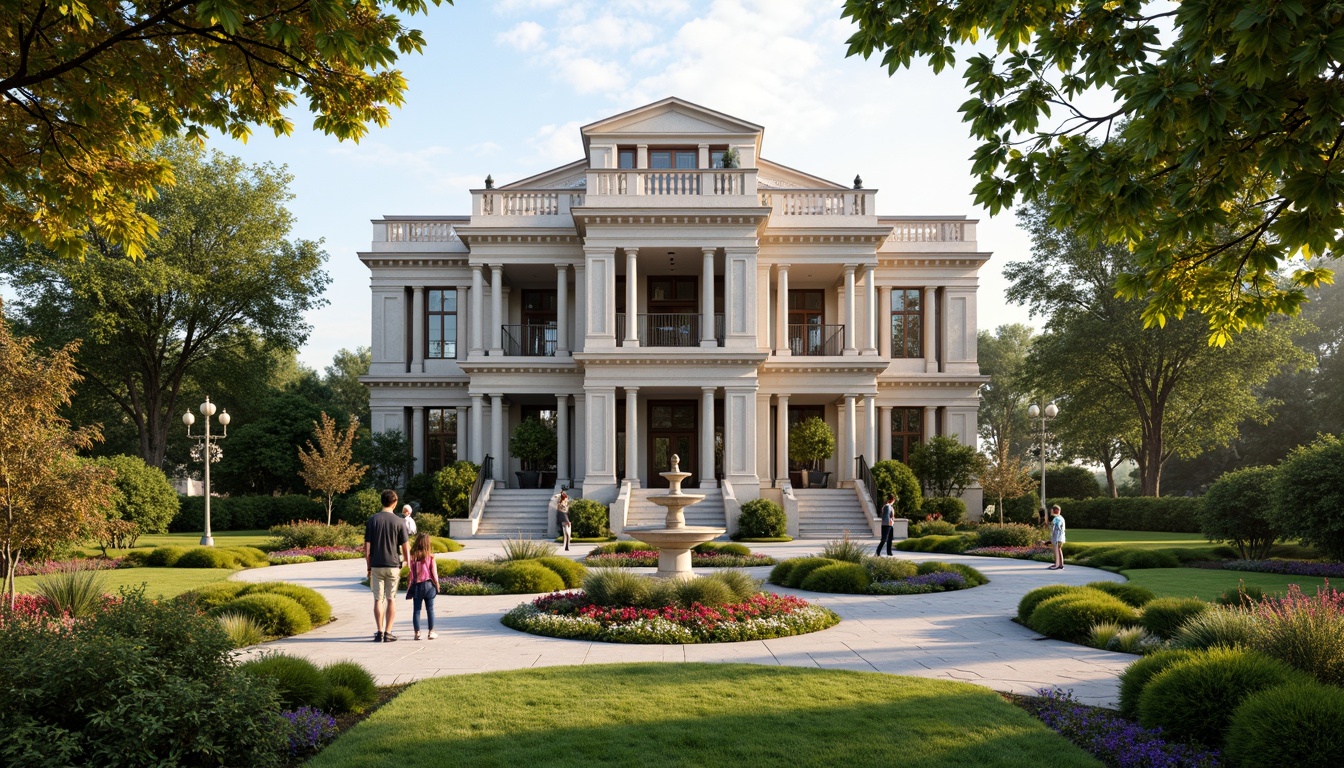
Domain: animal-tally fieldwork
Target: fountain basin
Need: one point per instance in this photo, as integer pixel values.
(675, 545)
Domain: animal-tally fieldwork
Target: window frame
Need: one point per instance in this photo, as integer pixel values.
(443, 439)
(901, 347)
(901, 433)
(445, 340)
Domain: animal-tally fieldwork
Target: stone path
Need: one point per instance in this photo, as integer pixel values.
(966, 635)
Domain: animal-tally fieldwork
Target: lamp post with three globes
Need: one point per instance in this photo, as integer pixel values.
(207, 452)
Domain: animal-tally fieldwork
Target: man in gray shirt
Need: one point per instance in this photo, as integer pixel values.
(386, 545)
(888, 515)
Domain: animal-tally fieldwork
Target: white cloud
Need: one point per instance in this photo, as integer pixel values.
(558, 144)
(586, 75)
(524, 36)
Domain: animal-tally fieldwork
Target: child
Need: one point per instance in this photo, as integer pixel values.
(424, 583)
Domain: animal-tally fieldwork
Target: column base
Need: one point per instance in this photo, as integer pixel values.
(785, 352)
(709, 343)
(849, 352)
(931, 366)
(630, 343)
(870, 350)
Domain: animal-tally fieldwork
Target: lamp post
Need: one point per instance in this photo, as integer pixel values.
(1049, 412)
(208, 453)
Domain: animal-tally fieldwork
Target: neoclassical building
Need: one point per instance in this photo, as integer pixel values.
(648, 300)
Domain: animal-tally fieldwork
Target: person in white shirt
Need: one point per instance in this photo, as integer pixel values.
(410, 524)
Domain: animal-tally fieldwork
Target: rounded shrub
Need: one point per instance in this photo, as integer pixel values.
(442, 544)
(1165, 615)
(1308, 489)
(737, 550)
(805, 566)
(889, 569)
(142, 495)
(1071, 616)
(478, 569)
(250, 557)
(973, 577)
(1230, 627)
(742, 584)
(893, 477)
(165, 557)
(1149, 558)
(1136, 676)
(570, 572)
(213, 595)
(932, 528)
(359, 506)
(1193, 700)
(1237, 509)
(1241, 596)
(207, 557)
(846, 578)
(276, 614)
(317, 607)
(1133, 594)
(299, 682)
(447, 567)
(952, 509)
(1006, 535)
(527, 576)
(616, 587)
(761, 519)
(710, 593)
(354, 678)
(589, 519)
(1035, 597)
(627, 546)
(780, 573)
(1297, 724)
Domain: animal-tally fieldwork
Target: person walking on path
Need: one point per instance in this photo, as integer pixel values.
(385, 546)
(1057, 537)
(424, 583)
(888, 516)
(406, 513)
(562, 517)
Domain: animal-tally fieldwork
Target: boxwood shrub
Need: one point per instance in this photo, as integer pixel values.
(761, 519)
(298, 680)
(319, 610)
(213, 595)
(589, 519)
(805, 566)
(707, 592)
(1149, 558)
(1072, 615)
(275, 614)
(1297, 724)
(847, 578)
(1193, 700)
(1133, 594)
(526, 576)
(947, 545)
(780, 573)
(1035, 597)
(570, 572)
(1007, 535)
(165, 557)
(1136, 676)
(889, 568)
(350, 676)
(1165, 615)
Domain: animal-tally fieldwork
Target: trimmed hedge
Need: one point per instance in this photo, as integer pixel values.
(319, 610)
(1174, 514)
(847, 578)
(245, 513)
(213, 595)
(1072, 615)
(1007, 535)
(527, 576)
(570, 572)
(1132, 594)
(947, 545)
(1164, 616)
(275, 614)
(1035, 597)
(1289, 725)
(589, 519)
(1136, 676)
(804, 567)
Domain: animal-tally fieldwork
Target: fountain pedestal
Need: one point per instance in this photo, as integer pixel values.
(675, 539)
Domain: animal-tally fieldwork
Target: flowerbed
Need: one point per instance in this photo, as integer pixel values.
(764, 615)
(648, 558)
(286, 556)
(1025, 553)
(941, 581)
(468, 586)
(45, 567)
(1288, 567)
(310, 730)
(1112, 739)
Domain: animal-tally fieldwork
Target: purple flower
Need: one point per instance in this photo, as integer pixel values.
(1112, 739)
(309, 729)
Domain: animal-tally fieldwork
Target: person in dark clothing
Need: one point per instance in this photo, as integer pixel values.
(385, 546)
(888, 516)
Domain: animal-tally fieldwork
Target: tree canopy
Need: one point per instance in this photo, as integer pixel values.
(88, 89)
(329, 467)
(219, 295)
(1220, 164)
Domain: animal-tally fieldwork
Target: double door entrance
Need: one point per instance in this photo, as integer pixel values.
(672, 430)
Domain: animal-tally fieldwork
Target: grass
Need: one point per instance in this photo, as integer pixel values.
(159, 582)
(1209, 584)
(222, 539)
(1137, 539)
(697, 714)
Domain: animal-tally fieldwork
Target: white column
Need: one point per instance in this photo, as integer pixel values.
(870, 429)
(631, 301)
(418, 329)
(460, 422)
(870, 322)
(781, 438)
(477, 311)
(850, 328)
(562, 438)
(477, 433)
(707, 479)
(632, 436)
(600, 438)
(496, 311)
(462, 340)
(884, 433)
(707, 337)
(497, 436)
(930, 423)
(782, 313)
(580, 314)
(930, 330)
(850, 437)
(562, 310)
(741, 325)
(884, 321)
(580, 459)
(739, 437)
(418, 439)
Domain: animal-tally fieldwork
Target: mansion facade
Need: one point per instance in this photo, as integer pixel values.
(649, 301)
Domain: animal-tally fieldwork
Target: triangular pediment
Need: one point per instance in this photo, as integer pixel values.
(776, 176)
(571, 176)
(671, 117)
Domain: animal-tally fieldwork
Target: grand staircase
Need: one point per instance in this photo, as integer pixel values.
(515, 513)
(826, 513)
(645, 514)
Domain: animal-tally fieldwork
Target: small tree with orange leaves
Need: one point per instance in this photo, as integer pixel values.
(48, 495)
(329, 467)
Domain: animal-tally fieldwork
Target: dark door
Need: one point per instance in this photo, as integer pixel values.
(672, 431)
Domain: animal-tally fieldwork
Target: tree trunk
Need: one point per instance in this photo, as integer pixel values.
(1110, 481)
(328, 509)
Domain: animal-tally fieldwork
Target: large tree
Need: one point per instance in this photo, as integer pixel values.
(1004, 429)
(347, 391)
(1183, 395)
(48, 495)
(88, 88)
(222, 289)
(1218, 163)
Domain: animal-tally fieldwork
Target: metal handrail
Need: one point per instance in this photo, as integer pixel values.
(865, 476)
(486, 472)
(529, 340)
(808, 339)
(668, 330)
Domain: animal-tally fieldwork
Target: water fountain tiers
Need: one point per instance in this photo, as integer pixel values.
(675, 539)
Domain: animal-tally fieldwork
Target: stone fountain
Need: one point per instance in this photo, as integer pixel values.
(675, 539)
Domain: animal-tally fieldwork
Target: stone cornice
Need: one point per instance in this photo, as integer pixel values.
(670, 217)
(641, 357)
(860, 236)
(407, 382)
(905, 380)
(851, 364)
(907, 260)
(541, 365)
(387, 259)
(520, 236)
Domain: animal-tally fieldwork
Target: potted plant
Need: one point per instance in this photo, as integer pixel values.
(533, 444)
(730, 158)
(811, 442)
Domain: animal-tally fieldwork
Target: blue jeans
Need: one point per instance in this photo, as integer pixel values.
(888, 533)
(424, 593)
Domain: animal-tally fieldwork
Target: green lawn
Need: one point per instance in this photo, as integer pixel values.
(1208, 584)
(1137, 539)
(222, 539)
(159, 582)
(698, 714)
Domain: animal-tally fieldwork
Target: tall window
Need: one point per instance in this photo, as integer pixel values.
(625, 157)
(907, 322)
(442, 321)
(907, 431)
(440, 438)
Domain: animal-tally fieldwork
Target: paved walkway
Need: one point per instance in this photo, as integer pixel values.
(966, 635)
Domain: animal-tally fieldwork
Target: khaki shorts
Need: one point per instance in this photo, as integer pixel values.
(383, 581)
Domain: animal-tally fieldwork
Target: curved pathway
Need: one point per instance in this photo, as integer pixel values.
(966, 635)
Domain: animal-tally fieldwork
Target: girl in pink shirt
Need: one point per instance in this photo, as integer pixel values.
(424, 582)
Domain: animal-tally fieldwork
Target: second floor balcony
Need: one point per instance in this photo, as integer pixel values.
(667, 330)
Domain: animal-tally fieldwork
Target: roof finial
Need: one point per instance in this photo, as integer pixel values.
(489, 182)
(858, 181)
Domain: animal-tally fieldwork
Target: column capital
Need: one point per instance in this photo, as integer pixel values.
(781, 269)
(418, 288)
(851, 269)
(709, 389)
(708, 250)
(630, 389)
(781, 397)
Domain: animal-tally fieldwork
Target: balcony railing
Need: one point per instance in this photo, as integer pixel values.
(819, 202)
(816, 340)
(667, 330)
(529, 340)
(684, 182)
(927, 232)
(525, 202)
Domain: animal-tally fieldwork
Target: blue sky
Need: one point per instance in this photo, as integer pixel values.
(503, 87)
